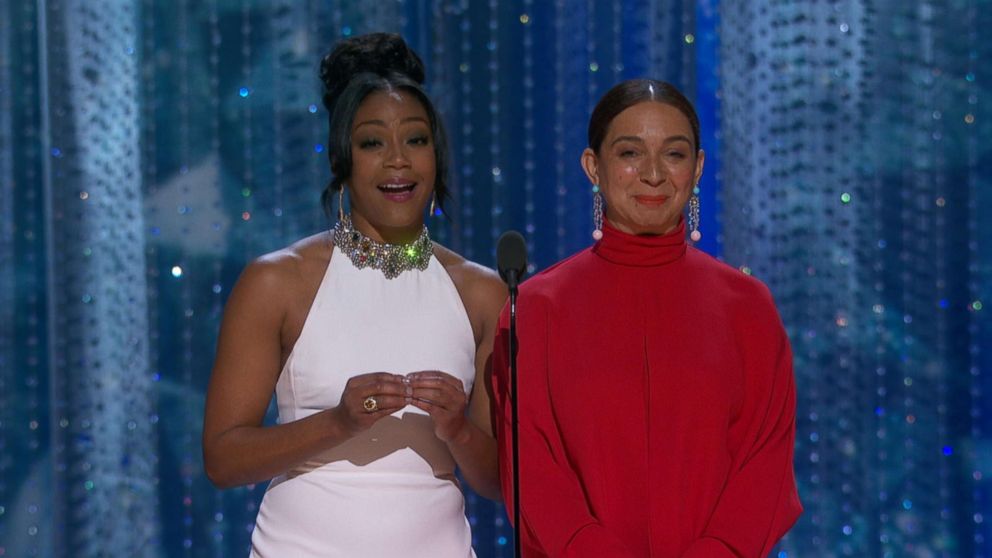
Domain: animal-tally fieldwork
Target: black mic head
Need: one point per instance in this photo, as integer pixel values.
(511, 257)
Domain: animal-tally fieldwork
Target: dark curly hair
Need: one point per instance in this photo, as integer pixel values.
(357, 67)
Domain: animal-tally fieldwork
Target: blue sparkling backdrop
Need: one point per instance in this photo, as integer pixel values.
(150, 148)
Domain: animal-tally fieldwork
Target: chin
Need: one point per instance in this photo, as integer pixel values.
(653, 227)
(403, 220)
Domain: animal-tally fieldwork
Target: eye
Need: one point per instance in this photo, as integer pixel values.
(628, 153)
(420, 140)
(676, 155)
(369, 143)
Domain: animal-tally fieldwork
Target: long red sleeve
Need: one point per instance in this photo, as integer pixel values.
(759, 502)
(556, 518)
(657, 406)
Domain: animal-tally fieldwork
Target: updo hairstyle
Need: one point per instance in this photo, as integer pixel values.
(634, 91)
(356, 68)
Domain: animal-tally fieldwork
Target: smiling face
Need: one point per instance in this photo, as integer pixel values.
(393, 166)
(646, 167)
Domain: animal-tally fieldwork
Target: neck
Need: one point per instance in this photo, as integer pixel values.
(661, 230)
(640, 250)
(384, 234)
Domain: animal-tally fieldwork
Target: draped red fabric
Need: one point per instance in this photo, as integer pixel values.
(657, 406)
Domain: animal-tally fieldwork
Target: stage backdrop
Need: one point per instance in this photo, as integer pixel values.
(149, 149)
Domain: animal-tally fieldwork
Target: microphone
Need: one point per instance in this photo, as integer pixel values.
(511, 261)
(511, 258)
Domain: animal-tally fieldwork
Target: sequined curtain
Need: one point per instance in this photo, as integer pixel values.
(103, 436)
(853, 177)
(149, 149)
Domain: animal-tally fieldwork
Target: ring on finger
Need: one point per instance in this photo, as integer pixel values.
(370, 404)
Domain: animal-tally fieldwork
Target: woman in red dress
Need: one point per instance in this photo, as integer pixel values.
(657, 397)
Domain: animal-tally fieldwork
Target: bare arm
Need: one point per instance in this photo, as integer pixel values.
(466, 427)
(237, 448)
(474, 448)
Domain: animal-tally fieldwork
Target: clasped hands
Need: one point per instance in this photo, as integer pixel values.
(370, 397)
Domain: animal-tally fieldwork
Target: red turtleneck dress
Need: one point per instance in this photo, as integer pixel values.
(657, 406)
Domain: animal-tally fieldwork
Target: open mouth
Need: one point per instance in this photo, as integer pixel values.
(400, 188)
(398, 191)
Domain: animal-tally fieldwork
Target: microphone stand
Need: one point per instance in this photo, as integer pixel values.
(511, 258)
(515, 423)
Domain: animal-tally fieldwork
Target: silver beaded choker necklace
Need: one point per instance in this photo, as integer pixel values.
(390, 259)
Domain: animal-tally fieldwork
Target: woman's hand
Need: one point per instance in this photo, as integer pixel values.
(369, 397)
(443, 397)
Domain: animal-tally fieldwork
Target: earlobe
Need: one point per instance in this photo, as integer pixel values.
(700, 159)
(590, 165)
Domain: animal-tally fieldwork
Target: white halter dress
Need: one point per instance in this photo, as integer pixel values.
(390, 491)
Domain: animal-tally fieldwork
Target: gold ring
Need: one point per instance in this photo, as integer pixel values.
(370, 404)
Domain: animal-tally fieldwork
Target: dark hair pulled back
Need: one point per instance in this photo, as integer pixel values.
(631, 92)
(354, 69)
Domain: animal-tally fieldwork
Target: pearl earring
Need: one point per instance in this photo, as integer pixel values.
(694, 233)
(597, 212)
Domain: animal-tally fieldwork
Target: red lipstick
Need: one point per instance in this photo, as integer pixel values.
(651, 200)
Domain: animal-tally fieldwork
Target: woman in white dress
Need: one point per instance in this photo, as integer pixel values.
(375, 341)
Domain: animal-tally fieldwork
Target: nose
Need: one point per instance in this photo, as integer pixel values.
(396, 156)
(653, 175)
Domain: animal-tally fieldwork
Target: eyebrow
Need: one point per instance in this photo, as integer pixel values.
(619, 139)
(377, 122)
(636, 139)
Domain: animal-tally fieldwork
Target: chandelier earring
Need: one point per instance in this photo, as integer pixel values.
(597, 212)
(341, 203)
(433, 204)
(694, 233)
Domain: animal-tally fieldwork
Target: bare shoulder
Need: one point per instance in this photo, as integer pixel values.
(482, 292)
(280, 275)
(478, 284)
